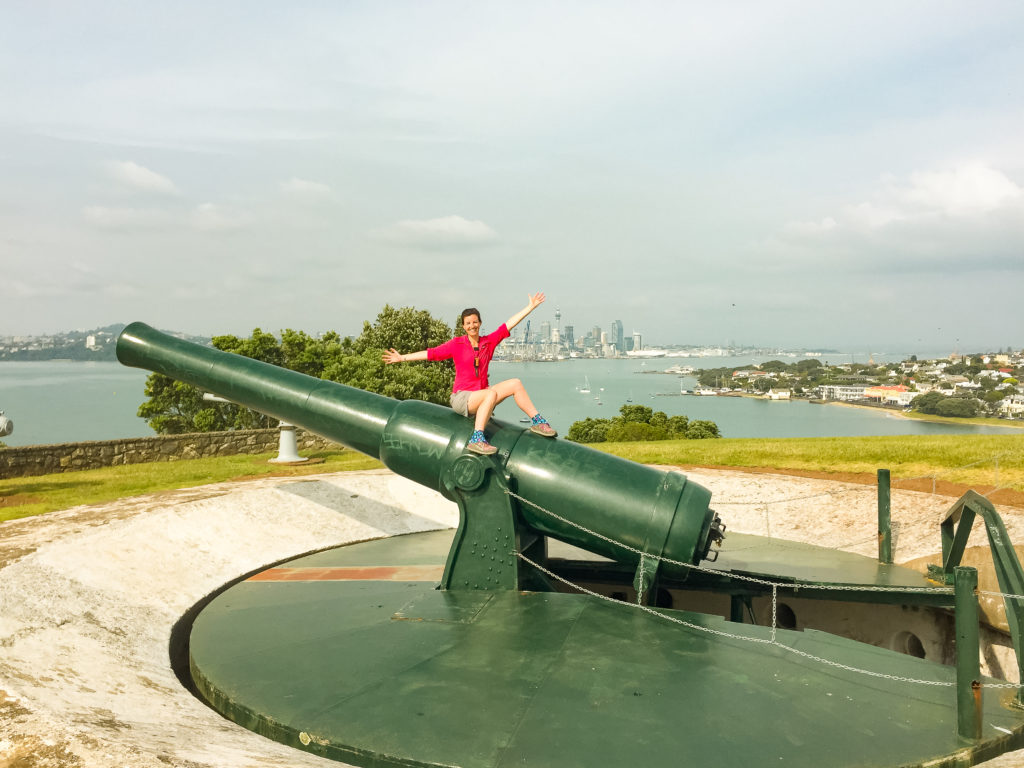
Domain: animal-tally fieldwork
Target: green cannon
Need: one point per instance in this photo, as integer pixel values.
(532, 488)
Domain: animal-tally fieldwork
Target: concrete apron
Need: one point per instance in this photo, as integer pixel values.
(89, 597)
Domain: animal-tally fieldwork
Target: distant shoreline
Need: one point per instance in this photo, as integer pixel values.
(914, 416)
(908, 415)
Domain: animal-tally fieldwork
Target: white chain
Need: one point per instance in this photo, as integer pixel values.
(763, 641)
(1000, 594)
(729, 574)
(764, 582)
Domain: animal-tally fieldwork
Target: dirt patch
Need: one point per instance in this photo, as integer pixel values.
(18, 499)
(1004, 497)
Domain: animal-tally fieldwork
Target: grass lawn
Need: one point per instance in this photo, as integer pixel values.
(962, 459)
(973, 460)
(25, 496)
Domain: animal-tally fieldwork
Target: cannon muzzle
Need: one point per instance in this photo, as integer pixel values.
(533, 487)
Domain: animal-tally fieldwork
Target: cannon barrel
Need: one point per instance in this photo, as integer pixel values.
(604, 497)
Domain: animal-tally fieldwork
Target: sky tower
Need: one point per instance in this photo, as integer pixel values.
(558, 321)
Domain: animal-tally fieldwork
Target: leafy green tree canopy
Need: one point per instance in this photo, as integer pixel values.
(174, 407)
(928, 402)
(638, 422)
(958, 406)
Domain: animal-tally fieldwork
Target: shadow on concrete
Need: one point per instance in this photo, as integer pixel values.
(362, 509)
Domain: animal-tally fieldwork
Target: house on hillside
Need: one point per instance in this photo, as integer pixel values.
(891, 395)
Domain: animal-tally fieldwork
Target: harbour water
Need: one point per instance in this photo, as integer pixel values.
(62, 401)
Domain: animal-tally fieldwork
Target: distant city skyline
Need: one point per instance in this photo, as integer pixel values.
(802, 174)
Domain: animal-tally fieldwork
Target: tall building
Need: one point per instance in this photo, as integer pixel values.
(615, 335)
(637, 341)
(545, 331)
(567, 336)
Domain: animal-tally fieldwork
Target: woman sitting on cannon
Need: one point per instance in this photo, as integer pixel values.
(472, 395)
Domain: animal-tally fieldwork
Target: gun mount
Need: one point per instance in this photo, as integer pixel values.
(352, 653)
(505, 500)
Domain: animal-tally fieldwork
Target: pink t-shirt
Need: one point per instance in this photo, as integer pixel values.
(467, 375)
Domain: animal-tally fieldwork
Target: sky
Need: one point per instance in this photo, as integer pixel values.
(795, 174)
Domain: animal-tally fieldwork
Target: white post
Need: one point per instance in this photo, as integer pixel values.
(287, 447)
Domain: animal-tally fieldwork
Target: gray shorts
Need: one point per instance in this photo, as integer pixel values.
(460, 401)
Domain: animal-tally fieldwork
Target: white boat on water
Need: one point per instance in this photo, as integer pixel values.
(585, 389)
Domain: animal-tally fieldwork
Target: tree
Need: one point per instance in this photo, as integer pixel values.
(638, 422)
(640, 414)
(702, 429)
(408, 330)
(632, 431)
(174, 407)
(928, 402)
(589, 430)
(808, 366)
(960, 407)
(676, 426)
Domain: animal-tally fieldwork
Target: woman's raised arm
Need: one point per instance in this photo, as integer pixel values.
(534, 301)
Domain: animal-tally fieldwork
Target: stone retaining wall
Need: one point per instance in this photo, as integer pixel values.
(28, 460)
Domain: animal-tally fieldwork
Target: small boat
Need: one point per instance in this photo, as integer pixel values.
(586, 386)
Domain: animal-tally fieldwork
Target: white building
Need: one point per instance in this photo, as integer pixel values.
(838, 392)
(1012, 406)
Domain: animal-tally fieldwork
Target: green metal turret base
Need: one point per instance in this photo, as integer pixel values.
(355, 655)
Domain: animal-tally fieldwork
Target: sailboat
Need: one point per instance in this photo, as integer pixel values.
(586, 386)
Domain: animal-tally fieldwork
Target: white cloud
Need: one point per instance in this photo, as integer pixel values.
(447, 231)
(141, 178)
(210, 217)
(969, 190)
(968, 194)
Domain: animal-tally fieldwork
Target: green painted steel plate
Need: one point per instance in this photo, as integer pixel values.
(354, 655)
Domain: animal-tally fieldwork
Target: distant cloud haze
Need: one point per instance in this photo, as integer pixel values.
(307, 190)
(125, 219)
(143, 179)
(444, 232)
